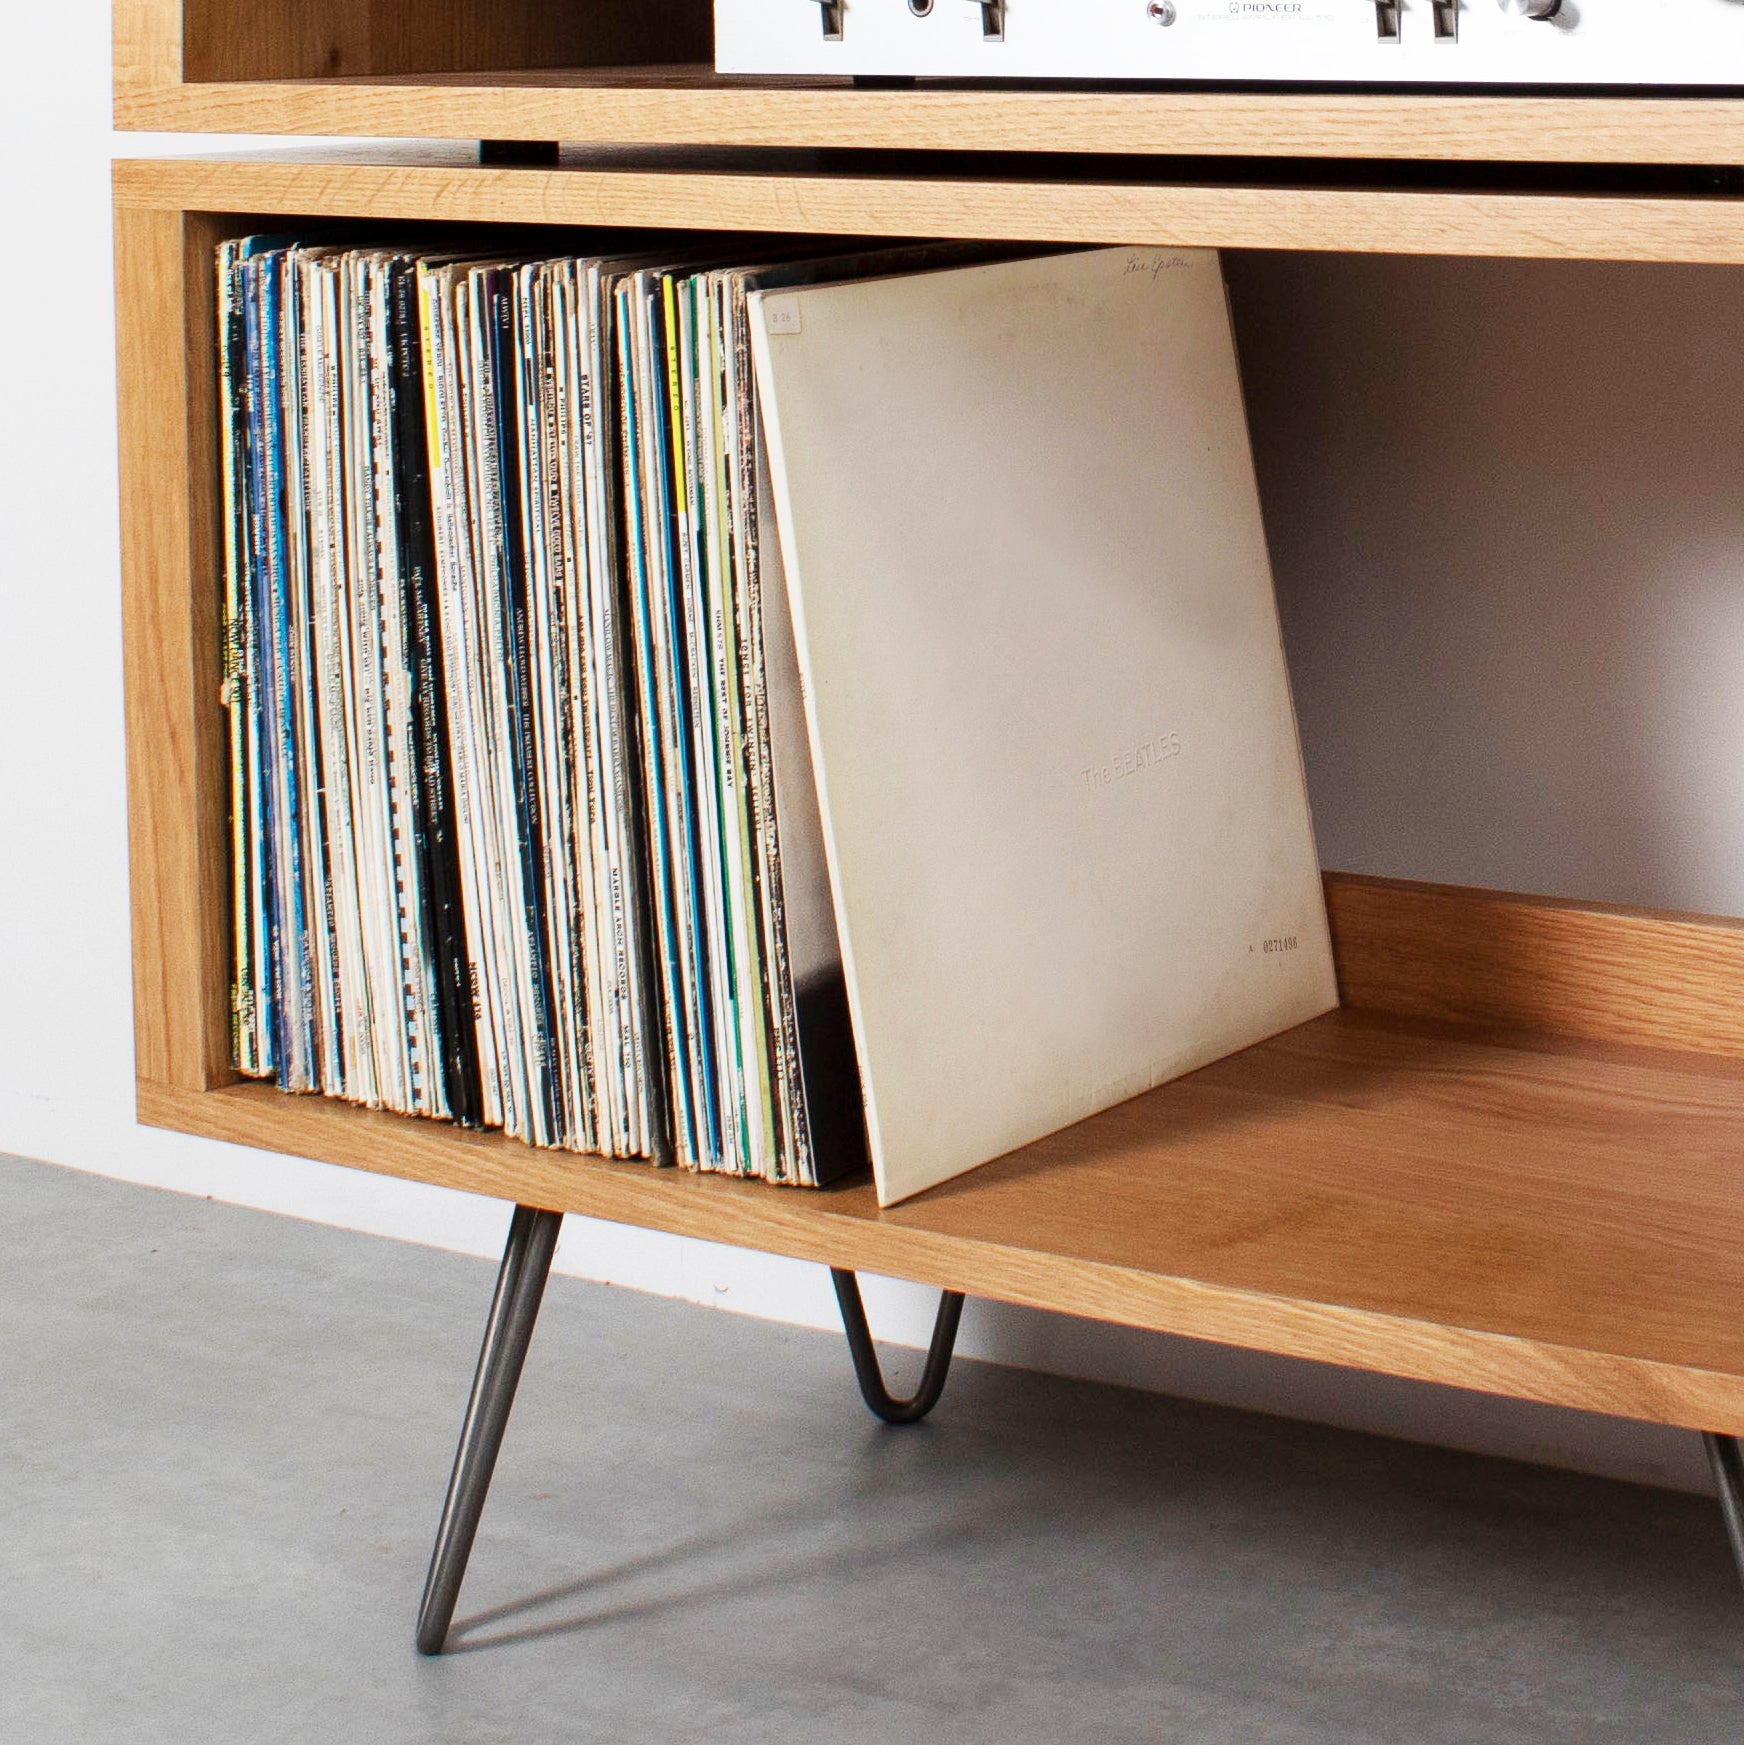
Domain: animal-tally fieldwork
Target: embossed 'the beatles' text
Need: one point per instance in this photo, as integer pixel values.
(1144, 756)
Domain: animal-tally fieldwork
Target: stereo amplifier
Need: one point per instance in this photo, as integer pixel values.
(1586, 43)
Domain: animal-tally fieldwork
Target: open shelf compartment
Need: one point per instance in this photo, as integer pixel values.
(1513, 1162)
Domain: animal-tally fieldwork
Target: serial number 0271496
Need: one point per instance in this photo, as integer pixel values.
(1288, 942)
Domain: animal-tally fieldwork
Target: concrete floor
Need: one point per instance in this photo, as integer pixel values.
(224, 1435)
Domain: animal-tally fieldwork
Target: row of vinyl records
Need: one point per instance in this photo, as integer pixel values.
(526, 822)
(504, 819)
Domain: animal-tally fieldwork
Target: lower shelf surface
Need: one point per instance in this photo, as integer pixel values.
(1562, 1222)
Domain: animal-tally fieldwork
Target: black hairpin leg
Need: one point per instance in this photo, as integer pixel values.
(1726, 1457)
(514, 1309)
(865, 1354)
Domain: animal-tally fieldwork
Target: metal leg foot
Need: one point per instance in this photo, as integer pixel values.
(514, 1309)
(865, 1354)
(1726, 1457)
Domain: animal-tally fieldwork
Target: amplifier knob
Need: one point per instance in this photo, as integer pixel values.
(1530, 8)
(992, 19)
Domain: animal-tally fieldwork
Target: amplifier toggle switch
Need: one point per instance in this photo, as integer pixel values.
(1446, 19)
(1387, 20)
(832, 15)
(992, 19)
(1530, 8)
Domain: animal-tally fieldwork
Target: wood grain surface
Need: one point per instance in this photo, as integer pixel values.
(219, 40)
(1556, 1223)
(170, 608)
(1604, 972)
(434, 183)
(415, 90)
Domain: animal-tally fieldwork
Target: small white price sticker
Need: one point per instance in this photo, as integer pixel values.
(781, 315)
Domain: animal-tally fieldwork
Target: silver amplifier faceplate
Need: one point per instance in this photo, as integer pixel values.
(1393, 42)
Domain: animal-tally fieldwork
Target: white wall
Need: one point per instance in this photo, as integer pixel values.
(1506, 501)
(1451, 684)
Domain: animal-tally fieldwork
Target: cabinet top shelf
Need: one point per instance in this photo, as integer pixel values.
(691, 105)
(708, 192)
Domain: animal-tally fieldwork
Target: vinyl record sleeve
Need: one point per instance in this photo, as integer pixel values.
(819, 1133)
(293, 973)
(325, 496)
(438, 839)
(251, 1050)
(438, 305)
(1068, 834)
(624, 826)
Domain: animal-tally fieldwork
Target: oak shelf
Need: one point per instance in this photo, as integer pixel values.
(1551, 1221)
(445, 183)
(691, 105)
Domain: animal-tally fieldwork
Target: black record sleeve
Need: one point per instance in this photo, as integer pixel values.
(541, 1022)
(437, 838)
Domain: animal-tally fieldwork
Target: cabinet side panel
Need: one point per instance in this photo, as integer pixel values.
(312, 39)
(176, 795)
(147, 43)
